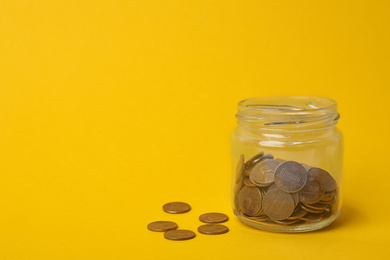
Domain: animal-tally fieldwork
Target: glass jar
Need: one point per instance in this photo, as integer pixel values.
(287, 163)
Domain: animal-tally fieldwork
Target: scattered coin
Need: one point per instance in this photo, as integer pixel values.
(176, 207)
(278, 205)
(250, 200)
(213, 217)
(179, 234)
(263, 173)
(213, 229)
(162, 226)
(290, 176)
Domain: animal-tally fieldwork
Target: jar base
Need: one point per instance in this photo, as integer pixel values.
(305, 227)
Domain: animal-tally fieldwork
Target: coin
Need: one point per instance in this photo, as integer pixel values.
(179, 234)
(250, 200)
(327, 213)
(251, 163)
(240, 168)
(259, 218)
(213, 217)
(280, 160)
(317, 206)
(278, 205)
(162, 226)
(248, 183)
(273, 186)
(176, 207)
(307, 167)
(253, 160)
(313, 190)
(290, 176)
(329, 183)
(312, 217)
(298, 213)
(263, 173)
(213, 229)
(287, 221)
(311, 210)
(295, 196)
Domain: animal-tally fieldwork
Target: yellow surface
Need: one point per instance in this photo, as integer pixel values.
(109, 109)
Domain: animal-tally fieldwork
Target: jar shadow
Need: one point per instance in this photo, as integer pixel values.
(349, 216)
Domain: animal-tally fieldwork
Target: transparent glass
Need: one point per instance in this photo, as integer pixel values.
(287, 156)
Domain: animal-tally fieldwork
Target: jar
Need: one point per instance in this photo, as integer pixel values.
(287, 156)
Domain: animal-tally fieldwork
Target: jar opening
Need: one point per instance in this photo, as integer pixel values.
(287, 112)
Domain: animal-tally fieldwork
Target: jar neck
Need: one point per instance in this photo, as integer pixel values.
(287, 115)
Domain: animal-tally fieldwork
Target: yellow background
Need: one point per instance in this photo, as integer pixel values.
(109, 109)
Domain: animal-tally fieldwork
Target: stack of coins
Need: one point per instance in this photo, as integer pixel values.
(284, 192)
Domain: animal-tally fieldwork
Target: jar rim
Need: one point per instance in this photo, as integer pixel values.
(253, 104)
(283, 111)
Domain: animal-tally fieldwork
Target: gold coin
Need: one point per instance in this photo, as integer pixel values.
(179, 234)
(250, 200)
(287, 221)
(298, 213)
(296, 198)
(249, 165)
(213, 217)
(240, 168)
(313, 190)
(316, 206)
(278, 205)
(310, 209)
(248, 183)
(329, 183)
(290, 176)
(213, 229)
(263, 173)
(176, 207)
(162, 226)
(312, 217)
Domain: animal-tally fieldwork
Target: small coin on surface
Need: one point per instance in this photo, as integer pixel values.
(179, 234)
(160, 226)
(213, 229)
(213, 217)
(176, 207)
(278, 205)
(290, 176)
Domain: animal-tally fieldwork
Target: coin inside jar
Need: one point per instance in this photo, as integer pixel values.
(313, 190)
(240, 168)
(161, 226)
(250, 200)
(176, 207)
(213, 229)
(290, 176)
(263, 173)
(278, 205)
(213, 217)
(329, 183)
(179, 234)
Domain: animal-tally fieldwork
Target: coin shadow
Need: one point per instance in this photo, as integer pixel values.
(349, 216)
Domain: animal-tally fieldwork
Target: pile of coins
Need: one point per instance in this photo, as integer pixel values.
(283, 192)
(170, 228)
